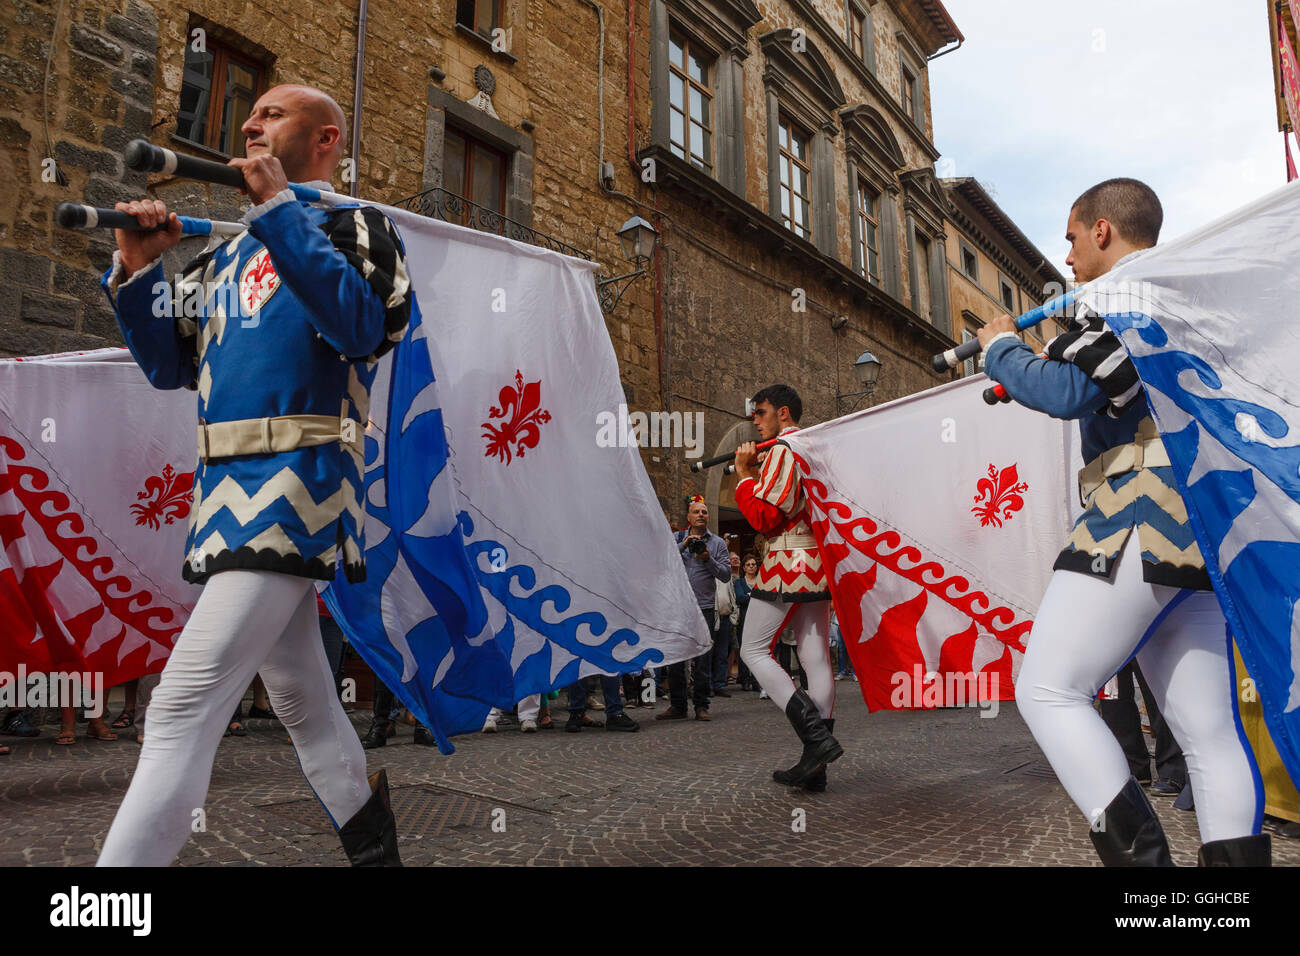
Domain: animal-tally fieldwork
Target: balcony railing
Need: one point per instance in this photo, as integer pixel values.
(438, 203)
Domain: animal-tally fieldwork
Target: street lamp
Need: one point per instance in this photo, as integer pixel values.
(866, 369)
(638, 239)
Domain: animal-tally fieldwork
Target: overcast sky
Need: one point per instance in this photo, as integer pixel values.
(1047, 97)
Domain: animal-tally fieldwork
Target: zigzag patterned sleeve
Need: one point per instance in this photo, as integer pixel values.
(190, 290)
(778, 482)
(1096, 350)
(370, 242)
(162, 335)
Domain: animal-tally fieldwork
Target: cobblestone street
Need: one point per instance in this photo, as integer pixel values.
(936, 788)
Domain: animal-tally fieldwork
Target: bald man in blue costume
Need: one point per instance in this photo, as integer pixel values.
(278, 330)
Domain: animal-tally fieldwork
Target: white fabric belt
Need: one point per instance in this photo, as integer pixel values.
(790, 541)
(263, 436)
(1120, 460)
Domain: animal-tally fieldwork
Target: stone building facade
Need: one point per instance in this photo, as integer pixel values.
(563, 116)
(992, 268)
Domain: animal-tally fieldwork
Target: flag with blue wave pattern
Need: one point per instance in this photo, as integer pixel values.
(1212, 323)
(509, 549)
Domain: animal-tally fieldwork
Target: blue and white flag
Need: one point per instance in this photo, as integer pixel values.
(511, 547)
(1212, 323)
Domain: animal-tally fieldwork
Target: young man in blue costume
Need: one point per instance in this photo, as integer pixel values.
(277, 329)
(1116, 594)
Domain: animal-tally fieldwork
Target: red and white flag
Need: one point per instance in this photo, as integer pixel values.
(95, 473)
(938, 520)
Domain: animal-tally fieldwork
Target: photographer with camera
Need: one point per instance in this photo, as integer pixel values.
(707, 561)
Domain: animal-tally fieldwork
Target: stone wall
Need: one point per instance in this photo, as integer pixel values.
(723, 301)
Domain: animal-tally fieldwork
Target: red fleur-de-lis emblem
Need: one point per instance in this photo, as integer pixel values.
(523, 427)
(171, 496)
(999, 496)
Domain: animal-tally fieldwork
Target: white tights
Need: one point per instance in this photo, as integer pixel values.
(245, 622)
(1087, 628)
(811, 620)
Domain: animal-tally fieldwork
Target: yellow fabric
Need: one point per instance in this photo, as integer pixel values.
(1280, 796)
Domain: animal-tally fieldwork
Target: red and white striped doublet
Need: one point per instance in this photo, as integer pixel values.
(774, 505)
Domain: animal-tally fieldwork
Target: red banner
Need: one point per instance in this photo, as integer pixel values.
(1290, 71)
(1291, 173)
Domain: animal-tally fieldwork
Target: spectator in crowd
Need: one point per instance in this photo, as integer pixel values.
(705, 558)
(96, 729)
(634, 687)
(788, 658)
(726, 612)
(1121, 716)
(533, 715)
(745, 584)
(844, 665)
(615, 717)
(21, 722)
(127, 717)
(331, 636)
(259, 709)
(383, 725)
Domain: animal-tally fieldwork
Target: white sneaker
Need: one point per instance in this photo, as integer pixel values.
(490, 726)
(762, 695)
(855, 678)
(528, 726)
(839, 677)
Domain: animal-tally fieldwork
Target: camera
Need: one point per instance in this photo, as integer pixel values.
(696, 545)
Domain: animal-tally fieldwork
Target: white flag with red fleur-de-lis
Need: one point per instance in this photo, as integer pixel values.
(96, 469)
(938, 519)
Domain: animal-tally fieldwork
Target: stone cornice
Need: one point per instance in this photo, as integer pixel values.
(859, 69)
(976, 202)
(724, 24)
(871, 142)
(1014, 270)
(808, 69)
(923, 197)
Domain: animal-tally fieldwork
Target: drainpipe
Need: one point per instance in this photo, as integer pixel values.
(356, 99)
(631, 83)
(600, 91)
(946, 51)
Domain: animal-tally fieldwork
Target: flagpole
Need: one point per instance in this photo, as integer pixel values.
(723, 459)
(1050, 309)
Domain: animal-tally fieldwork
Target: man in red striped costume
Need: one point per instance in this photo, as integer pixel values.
(792, 589)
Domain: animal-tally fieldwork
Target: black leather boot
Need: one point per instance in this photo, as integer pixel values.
(1129, 832)
(377, 735)
(370, 837)
(1239, 851)
(819, 747)
(817, 782)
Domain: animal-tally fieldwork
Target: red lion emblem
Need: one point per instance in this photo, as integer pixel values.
(524, 427)
(258, 282)
(999, 496)
(172, 496)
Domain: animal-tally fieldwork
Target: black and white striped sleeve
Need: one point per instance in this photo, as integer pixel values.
(370, 242)
(1091, 346)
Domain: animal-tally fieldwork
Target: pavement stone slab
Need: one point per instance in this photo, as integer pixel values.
(914, 788)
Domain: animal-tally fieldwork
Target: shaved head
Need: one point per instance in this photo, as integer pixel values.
(322, 108)
(302, 126)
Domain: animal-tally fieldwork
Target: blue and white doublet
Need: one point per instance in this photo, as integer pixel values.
(278, 330)
(1128, 483)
